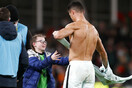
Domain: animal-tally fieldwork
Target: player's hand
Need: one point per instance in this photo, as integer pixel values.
(109, 73)
(55, 56)
(55, 33)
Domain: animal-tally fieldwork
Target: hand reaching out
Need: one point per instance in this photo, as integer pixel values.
(55, 56)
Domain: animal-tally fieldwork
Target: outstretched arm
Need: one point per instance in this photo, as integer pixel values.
(100, 48)
(65, 32)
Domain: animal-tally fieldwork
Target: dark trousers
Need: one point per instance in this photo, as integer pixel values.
(8, 82)
(20, 83)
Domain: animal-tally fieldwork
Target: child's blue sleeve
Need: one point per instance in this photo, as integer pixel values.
(63, 61)
(37, 64)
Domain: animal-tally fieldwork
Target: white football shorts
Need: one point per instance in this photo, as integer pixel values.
(79, 74)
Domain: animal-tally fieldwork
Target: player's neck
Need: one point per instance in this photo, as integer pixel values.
(80, 17)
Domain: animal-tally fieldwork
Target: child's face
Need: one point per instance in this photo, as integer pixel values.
(40, 44)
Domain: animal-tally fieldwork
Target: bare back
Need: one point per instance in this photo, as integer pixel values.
(83, 41)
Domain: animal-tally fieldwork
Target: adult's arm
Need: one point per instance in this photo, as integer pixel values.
(29, 36)
(100, 48)
(65, 32)
(23, 62)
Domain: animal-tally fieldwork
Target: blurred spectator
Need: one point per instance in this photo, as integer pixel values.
(111, 53)
(118, 86)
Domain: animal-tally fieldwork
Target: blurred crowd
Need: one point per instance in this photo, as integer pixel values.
(117, 40)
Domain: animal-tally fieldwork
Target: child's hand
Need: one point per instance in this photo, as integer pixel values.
(55, 56)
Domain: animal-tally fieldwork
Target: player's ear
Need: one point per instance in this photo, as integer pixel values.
(72, 12)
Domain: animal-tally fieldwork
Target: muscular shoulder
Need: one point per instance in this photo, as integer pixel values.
(93, 28)
(73, 25)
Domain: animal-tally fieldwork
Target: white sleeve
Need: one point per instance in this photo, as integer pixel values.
(108, 77)
(64, 42)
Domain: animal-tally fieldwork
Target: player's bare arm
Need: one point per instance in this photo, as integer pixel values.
(102, 52)
(64, 32)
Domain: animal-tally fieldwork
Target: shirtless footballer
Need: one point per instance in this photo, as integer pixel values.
(84, 40)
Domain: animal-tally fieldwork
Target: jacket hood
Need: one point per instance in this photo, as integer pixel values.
(8, 30)
(32, 53)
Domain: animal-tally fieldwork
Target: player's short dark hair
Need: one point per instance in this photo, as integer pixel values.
(76, 5)
(4, 14)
